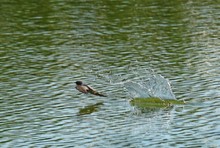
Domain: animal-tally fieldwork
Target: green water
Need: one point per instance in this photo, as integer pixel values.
(45, 46)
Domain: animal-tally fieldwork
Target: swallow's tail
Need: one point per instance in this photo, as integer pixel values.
(102, 95)
(97, 93)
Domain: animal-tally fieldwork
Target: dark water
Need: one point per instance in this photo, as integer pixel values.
(45, 46)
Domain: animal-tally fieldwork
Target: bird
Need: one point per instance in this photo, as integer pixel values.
(80, 86)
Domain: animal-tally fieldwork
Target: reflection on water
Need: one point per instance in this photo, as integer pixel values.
(47, 45)
(90, 108)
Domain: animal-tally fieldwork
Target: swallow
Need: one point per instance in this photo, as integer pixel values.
(87, 89)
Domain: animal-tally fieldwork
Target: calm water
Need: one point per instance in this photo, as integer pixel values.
(45, 46)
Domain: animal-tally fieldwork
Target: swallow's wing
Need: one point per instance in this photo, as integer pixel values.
(90, 89)
(83, 88)
(94, 92)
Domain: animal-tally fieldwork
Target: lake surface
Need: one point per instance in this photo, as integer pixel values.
(45, 46)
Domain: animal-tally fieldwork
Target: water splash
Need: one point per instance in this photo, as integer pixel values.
(139, 82)
(149, 84)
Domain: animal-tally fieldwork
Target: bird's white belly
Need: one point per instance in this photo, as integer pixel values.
(82, 89)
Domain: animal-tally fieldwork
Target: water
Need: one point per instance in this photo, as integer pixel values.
(47, 46)
(148, 84)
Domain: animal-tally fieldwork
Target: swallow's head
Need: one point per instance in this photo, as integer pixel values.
(78, 82)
